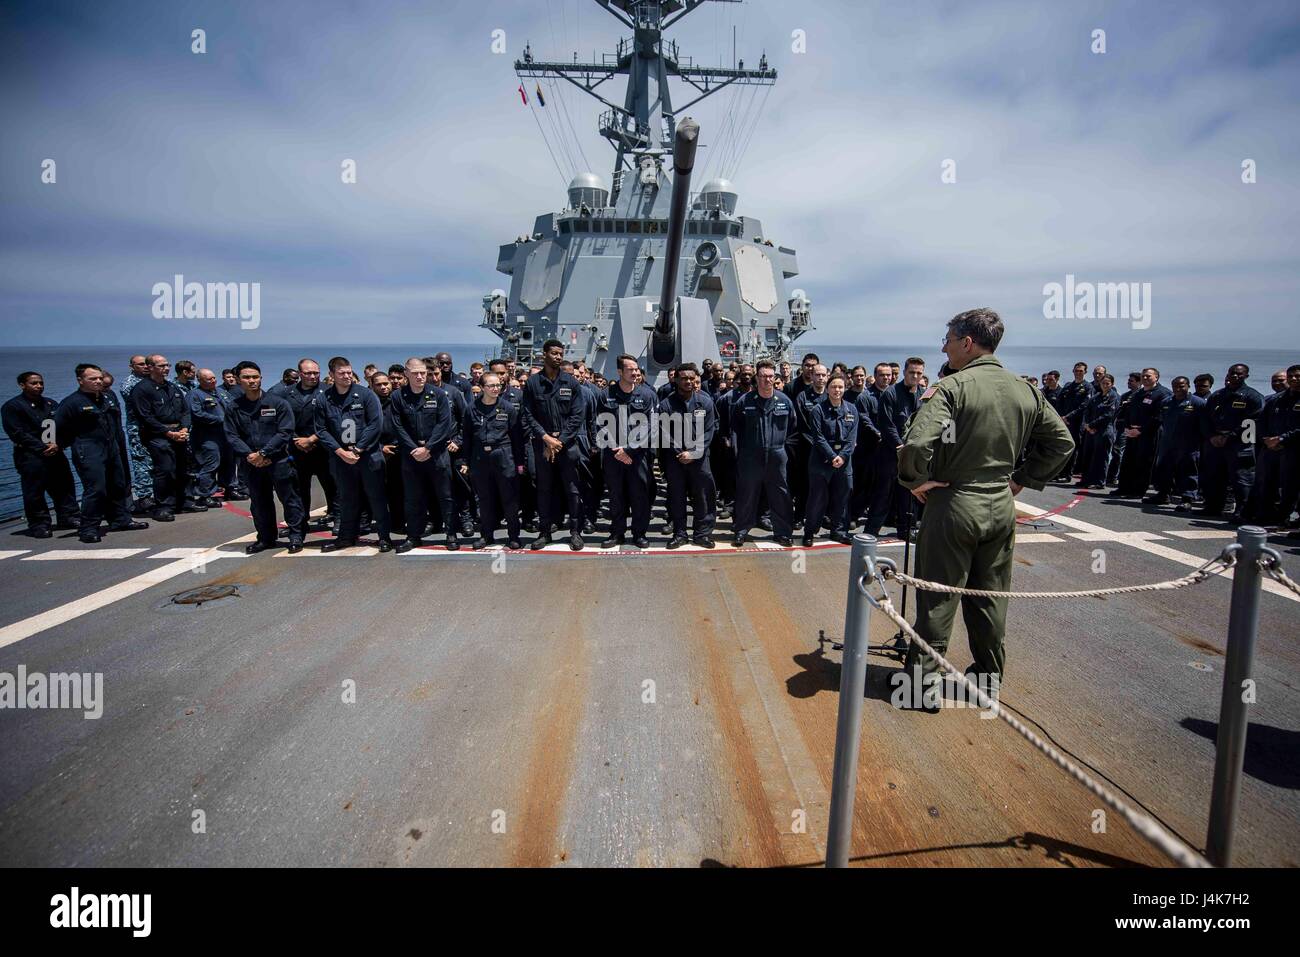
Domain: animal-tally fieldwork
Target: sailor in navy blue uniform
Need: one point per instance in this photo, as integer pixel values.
(509, 391)
(623, 427)
(1227, 460)
(38, 459)
(1277, 450)
(90, 425)
(349, 421)
(207, 435)
(1098, 432)
(164, 419)
(801, 441)
(555, 420)
(428, 435)
(494, 449)
(259, 428)
(1141, 425)
(451, 379)
(1121, 441)
(687, 464)
(761, 422)
(592, 475)
(1073, 397)
(667, 389)
(723, 460)
(870, 451)
(833, 435)
(1180, 445)
(897, 405)
(310, 457)
(394, 489)
(461, 393)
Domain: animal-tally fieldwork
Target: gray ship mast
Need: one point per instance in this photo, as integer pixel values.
(587, 273)
(644, 124)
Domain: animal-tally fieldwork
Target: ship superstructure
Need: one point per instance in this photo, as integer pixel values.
(581, 268)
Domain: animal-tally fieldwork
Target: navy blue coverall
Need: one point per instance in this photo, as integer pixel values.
(494, 447)
(691, 480)
(265, 425)
(27, 422)
(760, 430)
(354, 421)
(556, 407)
(91, 427)
(427, 420)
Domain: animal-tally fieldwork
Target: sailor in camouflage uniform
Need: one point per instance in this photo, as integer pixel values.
(141, 463)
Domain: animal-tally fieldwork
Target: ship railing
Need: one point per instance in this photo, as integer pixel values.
(1249, 560)
(605, 309)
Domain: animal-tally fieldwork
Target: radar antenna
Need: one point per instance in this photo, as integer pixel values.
(644, 124)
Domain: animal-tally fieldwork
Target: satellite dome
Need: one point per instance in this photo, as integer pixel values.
(588, 189)
(719, 194)
(587, 181)
(718, 185)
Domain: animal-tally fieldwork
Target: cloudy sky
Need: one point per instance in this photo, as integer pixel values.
(1117, 167)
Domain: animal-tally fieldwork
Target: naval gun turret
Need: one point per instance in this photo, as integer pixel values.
(586, 274)
(681, 328)
(668, 336)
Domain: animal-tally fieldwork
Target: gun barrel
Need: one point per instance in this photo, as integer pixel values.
(684, 144)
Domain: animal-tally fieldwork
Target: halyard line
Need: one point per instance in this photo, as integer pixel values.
(1132, 540)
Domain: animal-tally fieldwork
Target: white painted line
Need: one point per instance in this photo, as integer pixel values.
(69, 554)
(1143, 544)
(191, 552)
(1197, 533)
(1105, 536)
(11, 634)
(1036, 538)
(13, 553)
(359, 551)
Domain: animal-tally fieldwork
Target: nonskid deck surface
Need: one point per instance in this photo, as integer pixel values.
(538, 709)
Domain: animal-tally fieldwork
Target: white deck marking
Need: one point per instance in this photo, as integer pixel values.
(13, 553)
(190, 552)
(1036, 538)
(1201, 533)
(595, 551)
(358, 551)
(11, 634)
(1116, 536)
(70, 554)
(1145, 544)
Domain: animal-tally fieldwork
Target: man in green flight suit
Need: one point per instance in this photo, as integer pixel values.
(959, 458)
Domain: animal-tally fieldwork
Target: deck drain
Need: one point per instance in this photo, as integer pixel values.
(207, 593)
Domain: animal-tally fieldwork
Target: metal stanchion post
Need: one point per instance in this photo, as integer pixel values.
(848, 724)
(900, 640)
(1230, 746)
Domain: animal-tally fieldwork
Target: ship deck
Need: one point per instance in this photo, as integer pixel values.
(505, 715)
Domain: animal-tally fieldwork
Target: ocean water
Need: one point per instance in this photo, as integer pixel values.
(57, 364)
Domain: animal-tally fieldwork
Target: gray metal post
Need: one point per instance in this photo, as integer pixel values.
(1230, 747)
(848, 725)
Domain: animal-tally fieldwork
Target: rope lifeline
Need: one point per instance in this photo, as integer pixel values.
(1143, 825)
